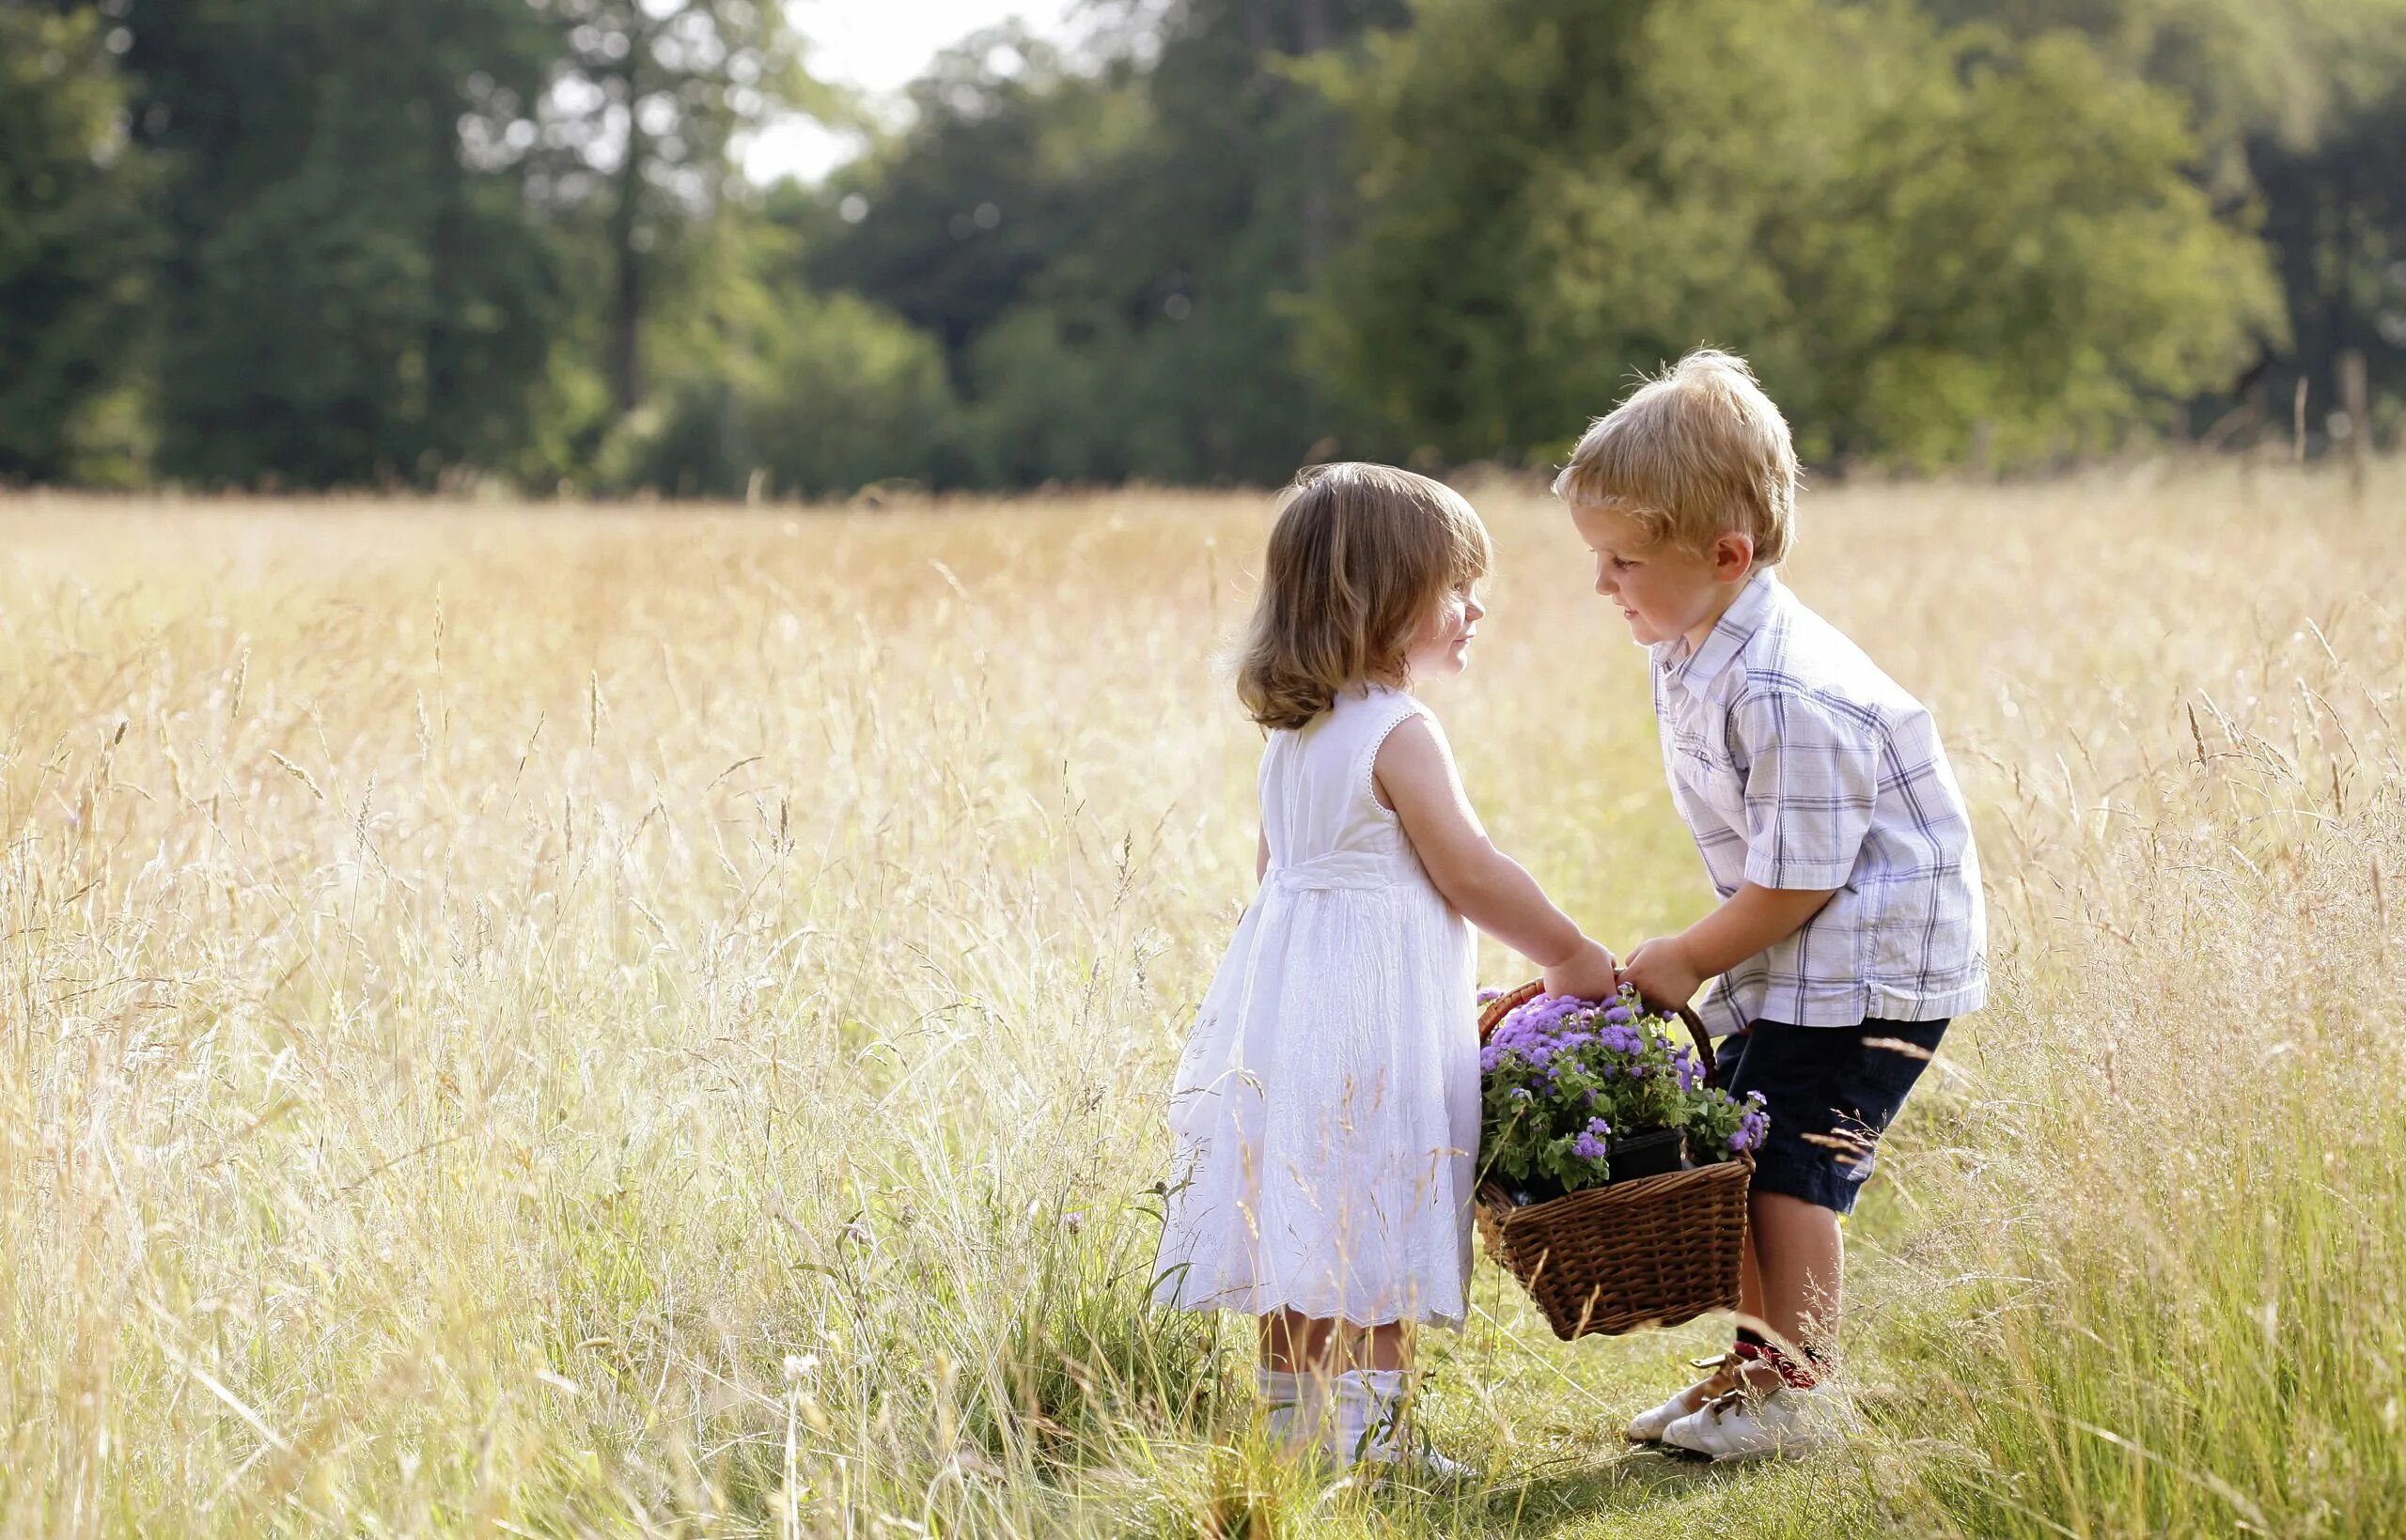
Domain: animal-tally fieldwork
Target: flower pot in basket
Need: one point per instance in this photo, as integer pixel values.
(1647, 1155)
(1652, 1250)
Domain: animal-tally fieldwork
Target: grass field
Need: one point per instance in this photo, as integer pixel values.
(553, 1021)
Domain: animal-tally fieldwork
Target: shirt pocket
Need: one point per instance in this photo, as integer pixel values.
(1713, 782)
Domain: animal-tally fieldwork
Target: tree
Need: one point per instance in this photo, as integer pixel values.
(1112, 252)
(2336, 217)
(346, 294)
(1924, 239)
(2301, 105)
(73, 240)
(765, 386)
(646, 98)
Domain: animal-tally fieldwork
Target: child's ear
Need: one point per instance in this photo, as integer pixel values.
(1733, 556)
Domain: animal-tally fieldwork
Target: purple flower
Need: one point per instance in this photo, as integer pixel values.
(1519, 1093)
(1587, 1148)
(1598, 1128)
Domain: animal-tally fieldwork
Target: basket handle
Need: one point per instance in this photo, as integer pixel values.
(1512, 1000)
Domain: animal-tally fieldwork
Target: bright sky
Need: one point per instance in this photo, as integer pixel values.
(877, 46)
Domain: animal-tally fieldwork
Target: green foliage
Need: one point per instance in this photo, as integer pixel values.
(1923, 240)
(1110, 258)
(344, 296)
(644, 101)
(2301, 108)
(339, 242)
(2056, 299)
(70, 248)
(814, 396)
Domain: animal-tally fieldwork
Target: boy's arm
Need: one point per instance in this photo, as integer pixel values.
(1490, 888)
(1812, 778)
(1670, 969)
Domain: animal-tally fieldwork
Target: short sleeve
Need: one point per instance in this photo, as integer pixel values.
(1812, 778)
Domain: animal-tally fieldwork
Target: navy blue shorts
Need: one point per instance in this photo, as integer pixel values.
(1831, 1093)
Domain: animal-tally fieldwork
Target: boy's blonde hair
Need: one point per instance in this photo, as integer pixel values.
(1360, 556)
(1696, 453)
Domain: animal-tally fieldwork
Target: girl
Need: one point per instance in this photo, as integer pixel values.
(1326, 1109)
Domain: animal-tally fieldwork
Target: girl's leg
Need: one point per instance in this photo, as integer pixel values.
(1289, 1381)
(1289, 1340)
(1293, 1344)
(1370, 1379)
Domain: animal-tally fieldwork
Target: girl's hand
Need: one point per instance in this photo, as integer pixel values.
(1587, 974)
(1663, 972)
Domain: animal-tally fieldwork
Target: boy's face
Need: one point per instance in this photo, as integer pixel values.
(1663, 590)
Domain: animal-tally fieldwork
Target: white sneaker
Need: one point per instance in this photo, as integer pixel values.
(1369, 1428)
(1646, 1426)
(1786, 1424)
(1417, 1460)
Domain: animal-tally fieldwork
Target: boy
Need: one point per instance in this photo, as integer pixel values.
(1850, 926)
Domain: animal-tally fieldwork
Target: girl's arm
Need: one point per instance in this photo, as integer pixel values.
(1415, 776)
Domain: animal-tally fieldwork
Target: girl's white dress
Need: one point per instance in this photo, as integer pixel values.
(1326, 1109)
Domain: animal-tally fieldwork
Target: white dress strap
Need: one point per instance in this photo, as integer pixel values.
(1397, 709)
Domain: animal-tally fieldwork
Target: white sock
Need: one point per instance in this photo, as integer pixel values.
(1368, 1404)
(1293, 1402)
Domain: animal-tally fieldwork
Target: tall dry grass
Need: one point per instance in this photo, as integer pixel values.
(568, 1022)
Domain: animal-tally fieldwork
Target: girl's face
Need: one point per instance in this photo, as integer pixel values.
(1442, 646)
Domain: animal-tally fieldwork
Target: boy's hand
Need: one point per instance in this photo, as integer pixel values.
(1662, 972)
(1587, 974)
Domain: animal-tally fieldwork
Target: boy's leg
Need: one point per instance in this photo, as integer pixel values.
(1790, 1233)
(1799, 1261)
(1753, 1309)
(1831, 1091)
(1750, 1273)
(1796, 1309)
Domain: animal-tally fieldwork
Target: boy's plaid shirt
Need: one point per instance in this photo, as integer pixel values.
(1798, 764)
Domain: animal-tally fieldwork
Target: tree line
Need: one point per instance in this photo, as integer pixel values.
(357, 242)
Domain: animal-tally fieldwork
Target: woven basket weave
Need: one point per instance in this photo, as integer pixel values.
(1652, 1251)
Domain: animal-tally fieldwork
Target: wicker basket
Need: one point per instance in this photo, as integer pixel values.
(1652, 1251)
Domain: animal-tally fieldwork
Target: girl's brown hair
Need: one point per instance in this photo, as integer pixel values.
(1360, 557)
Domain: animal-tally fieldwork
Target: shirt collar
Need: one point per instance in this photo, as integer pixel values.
(1736, 626)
